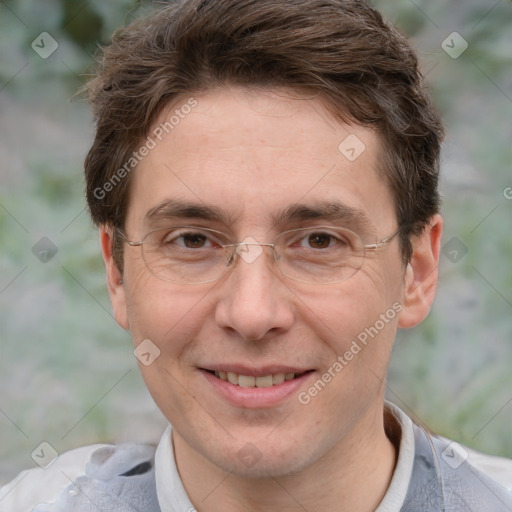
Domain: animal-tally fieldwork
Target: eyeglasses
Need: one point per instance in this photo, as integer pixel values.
(195, 255)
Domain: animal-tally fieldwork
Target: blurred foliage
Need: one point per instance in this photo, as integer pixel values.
(64, 363)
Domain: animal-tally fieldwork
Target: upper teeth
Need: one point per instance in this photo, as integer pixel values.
(248, 381)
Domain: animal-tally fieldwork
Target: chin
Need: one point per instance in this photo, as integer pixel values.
(252, 460)
(266, 467)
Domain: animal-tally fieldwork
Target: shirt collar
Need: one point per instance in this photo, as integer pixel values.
(397, 490)
(172, 496)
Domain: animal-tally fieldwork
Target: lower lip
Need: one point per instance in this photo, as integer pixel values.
(256, 398)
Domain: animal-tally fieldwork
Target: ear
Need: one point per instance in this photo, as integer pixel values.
(114, 278)
(421, 275)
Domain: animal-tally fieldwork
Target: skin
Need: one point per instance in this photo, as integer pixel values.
(252, 154)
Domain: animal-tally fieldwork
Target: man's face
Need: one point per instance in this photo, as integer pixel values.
(252, 157)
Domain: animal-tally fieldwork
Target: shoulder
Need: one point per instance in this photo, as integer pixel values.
(448, 476)
(38, 485)
(498, 469)
(99, 462)
(473, 479)
(454, 455)
(451, 454)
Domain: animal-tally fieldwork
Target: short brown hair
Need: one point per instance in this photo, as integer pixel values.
(342, 50)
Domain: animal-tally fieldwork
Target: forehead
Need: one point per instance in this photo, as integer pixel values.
(253, 155)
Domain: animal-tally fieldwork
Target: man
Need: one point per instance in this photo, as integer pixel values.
(264, 178)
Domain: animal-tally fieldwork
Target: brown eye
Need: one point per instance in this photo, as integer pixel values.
(194, 240)
(319, 240)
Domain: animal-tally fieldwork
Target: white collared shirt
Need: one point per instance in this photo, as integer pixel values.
(37, 486)
(173, 497)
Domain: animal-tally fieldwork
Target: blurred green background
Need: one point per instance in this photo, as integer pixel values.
(67, 371)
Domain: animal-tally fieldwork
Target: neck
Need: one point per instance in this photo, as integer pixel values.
(353, 476)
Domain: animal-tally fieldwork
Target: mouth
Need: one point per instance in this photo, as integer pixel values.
(251, 381)
(248, 388)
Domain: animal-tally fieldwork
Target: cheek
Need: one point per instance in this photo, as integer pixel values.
(167, 314)
(357, 323)
(340, 313)
(171, 318)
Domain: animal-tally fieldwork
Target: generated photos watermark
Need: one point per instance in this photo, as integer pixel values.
(151, 142)
(358, 344)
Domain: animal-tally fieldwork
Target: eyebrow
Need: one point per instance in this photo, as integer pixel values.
(174, 208)
(332, 211)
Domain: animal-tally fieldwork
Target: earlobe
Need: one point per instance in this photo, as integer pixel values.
(115, 283)
(421, 275)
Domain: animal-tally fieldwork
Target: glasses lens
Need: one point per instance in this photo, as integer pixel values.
(185, 254)
(321, 254)
(188, 254)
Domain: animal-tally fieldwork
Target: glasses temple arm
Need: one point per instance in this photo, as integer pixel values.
(386, 240)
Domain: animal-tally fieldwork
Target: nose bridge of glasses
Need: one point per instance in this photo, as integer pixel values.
(260, 244)
(248, 250)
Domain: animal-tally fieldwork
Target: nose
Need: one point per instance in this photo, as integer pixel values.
(253, 299)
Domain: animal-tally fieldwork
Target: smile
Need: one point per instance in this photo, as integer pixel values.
(251, 388)
(249, 381)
